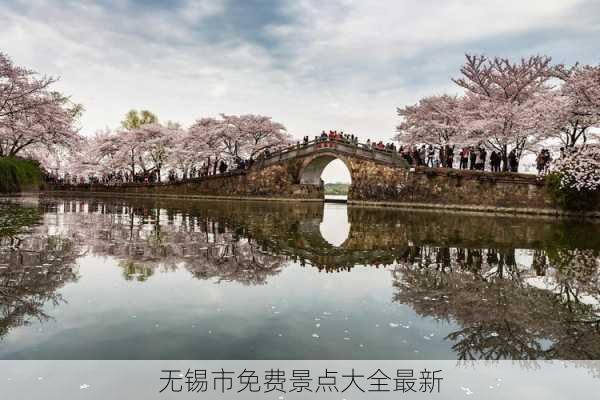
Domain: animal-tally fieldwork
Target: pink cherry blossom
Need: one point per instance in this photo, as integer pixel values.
(32, 117)
(433, 120)
(579, 168)
(578, 105)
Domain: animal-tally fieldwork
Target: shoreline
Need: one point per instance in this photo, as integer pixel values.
(470, 209)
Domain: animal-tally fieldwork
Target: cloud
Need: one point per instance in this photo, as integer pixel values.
(310, 64)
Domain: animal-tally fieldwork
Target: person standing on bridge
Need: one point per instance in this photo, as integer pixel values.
(472, 157)
(449, 155)
(430, 155)
(222, 167)
(442, 156)
(483, 158)
(416, 156)
(422, 155)
(464, 158)
(513, 161)
(495, 161)
(478, 160)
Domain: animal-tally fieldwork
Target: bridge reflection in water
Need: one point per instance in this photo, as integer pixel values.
(335, 227)
(505, 287)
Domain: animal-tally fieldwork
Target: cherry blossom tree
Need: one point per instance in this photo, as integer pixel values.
(50, 126)
(91, 156)
(245, 136)
(85, 160)
(20, 90)
(257, 133)
(584, 81)
(129, 149)
(146, 148)
(202, 139)
(31, 116)
(579, 168)
(577, 105)
(54, 161)
(432, 120)
(182, 155)
(235, 136)
(190, 146)
(135, 150)
(157, 142)
(504, 102)
(109, 151)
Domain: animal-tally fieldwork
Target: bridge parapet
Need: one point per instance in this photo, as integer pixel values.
(343, 148)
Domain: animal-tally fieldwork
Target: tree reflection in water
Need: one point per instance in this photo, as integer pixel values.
(32, 267)
(145, 239)
(505, 310)
(518, 288)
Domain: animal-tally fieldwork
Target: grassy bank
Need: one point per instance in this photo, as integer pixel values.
(17, 174)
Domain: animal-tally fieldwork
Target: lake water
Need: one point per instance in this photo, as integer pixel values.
(157, 279)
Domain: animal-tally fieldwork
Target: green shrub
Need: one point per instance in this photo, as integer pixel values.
(567, 197)
(18, 174)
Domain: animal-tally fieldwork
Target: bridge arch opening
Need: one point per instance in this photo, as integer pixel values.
(313, 171)
(330, 171)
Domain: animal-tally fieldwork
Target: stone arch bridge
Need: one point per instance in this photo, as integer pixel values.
(370, 169)
(378, 176)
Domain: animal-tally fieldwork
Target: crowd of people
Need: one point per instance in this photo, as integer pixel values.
(476, 158)
(152, 176)
(335, 136)
(543, 159)
(348, 139)
(467, 158)
(471, 158)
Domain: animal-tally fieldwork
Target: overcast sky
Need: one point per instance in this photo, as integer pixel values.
(311, 65)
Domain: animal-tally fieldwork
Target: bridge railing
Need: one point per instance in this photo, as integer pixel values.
(278, 155)
(359, 145)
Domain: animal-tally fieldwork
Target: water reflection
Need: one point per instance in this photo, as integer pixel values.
(32, 267)
(505, 309)
(335, 227)
(504, 288)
